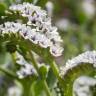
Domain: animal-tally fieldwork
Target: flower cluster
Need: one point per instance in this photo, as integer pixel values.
(14, 91)
(28, 33)
(82, 86)
(87, 57)
(26, 68)
(38, 29)
(36, 16)
(42, 29)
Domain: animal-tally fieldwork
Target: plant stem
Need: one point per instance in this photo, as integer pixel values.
(26, 90)
(48, 93)
(55, 68)
(9, 73)
(56, 71)
(34, 62)
(13, 55)
(46, 88)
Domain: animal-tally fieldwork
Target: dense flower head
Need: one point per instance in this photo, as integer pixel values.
(14, 91)
(82, 86)
(26, 68)
(87, 57)
(38, 29)
(34, 13)
(33, 35)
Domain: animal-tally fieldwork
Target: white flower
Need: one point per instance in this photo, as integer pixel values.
(56, 51)
(38, 29)
(27, 9)
(87, 57)
(19, 59)
(81, 86)
(26, 68)
(43, 41)
(50, 39)
(14, 91)
(10, 27)
(88, 8)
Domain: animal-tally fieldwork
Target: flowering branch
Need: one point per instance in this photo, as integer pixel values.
(82, 65)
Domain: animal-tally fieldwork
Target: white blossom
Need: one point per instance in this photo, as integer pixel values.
(56, 50)
(26, 68)
(87, 57)
(33, 35)
(27, 10)
(81, 86)
(38, 29)
(14, 91)
(88, 8)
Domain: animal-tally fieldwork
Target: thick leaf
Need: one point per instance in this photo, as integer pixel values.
(2, 8)
(51, 79)
(43, 71)
(38, 88)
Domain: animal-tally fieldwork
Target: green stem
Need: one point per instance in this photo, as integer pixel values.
(13, 56)
(26, 90)
(47, 58)
(33, 61)
(9, 73)
(48, 93)
(46, 88)
(56, 71)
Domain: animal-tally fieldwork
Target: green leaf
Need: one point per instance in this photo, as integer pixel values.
(43, 71)
(38, 88)
(2, 8)
(51, 79)
(26, 84)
